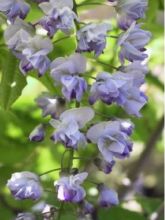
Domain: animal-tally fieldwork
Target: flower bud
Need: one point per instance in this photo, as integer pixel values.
(25, 185)
(37, 134)
(107, 197)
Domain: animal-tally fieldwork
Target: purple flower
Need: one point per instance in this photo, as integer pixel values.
(69, 189)
(51, 105)
(35, 55)
(67, 128)
(88, 207)
(112, 139)
(25, 216)
(73, 87)
(66, 71)
(103, 165)
(107, 197)
(92, 37)
(37, 134)
(18, 34)
(14, 9)
(120, 88)
(25, 185)
(129, 11)
(59, 16)
(133, 43)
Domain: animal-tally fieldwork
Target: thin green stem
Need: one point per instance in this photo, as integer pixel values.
(61, 39)
(81, 158)
(113, 36)
(60, 211)
(105, 64)
(49, 171)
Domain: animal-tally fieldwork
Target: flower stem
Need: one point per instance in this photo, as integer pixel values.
(49, 171)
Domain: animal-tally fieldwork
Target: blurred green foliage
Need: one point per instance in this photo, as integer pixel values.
(19, 115)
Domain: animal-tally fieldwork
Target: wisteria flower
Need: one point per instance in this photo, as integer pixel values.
(92, 37)
(107, 197)
(25, 216)
(18, 34)
(37, 134)
(133, 43)
(129, 11)
(59, 16)
(120, 88)
(112, 139)
(66, 71)
(51, 105)
(103, 165)
(67, 127)
(69, 189)
(14, 9)
(87, 207)
(25, 185)
(34, 56)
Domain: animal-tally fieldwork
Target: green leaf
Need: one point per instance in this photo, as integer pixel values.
(149, 205)
(12, 81)
(119, 213)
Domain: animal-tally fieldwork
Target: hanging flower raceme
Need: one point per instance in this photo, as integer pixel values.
(59, 16)
(51, 105)
(120, 88)
(92, 37)
(112, 139)
(69, 189)
(14, 8)
(129, 11)
(68, 127)
(67, 71)
(133, 43)
(25, 185)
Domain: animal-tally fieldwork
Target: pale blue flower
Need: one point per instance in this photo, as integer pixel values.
(69, 189)
(92, 37)
(25, 185)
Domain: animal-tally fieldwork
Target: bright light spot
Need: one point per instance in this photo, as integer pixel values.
(13, 84)
(132, 206)
(93, 191)
(41, 31)
(4, 26)
(154, 216)
(126, 182)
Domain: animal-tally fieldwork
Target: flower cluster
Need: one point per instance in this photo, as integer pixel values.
(73, 126)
